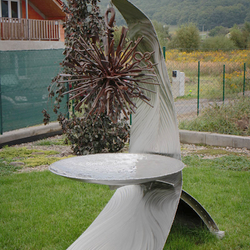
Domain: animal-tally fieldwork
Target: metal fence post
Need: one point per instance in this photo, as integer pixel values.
(72, 103)
(198, 90)
(244, 79)
(1, 110)
(164, 52)
(224, 71)
(73, 107)
(67, 101)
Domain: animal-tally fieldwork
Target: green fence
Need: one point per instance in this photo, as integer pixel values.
(24, 79)
(25, 76)
(205, 82)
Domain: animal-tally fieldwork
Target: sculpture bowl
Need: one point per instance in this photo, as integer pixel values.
(117, 168)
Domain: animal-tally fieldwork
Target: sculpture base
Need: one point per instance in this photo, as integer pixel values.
(137, 217)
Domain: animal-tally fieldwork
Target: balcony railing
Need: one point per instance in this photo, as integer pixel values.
(29, 29)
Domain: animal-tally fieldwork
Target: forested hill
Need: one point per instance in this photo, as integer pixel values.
(205, 13)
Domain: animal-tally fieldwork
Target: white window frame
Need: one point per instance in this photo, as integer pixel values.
(9, 7)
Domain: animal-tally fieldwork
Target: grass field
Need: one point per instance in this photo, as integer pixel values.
(42, 211)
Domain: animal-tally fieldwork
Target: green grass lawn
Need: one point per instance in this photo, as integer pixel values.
(40, 210)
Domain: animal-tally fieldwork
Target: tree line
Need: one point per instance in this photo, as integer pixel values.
(187, 37)
(205, 14)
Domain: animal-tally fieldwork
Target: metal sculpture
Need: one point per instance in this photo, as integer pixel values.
(140, 214)
(109, 79)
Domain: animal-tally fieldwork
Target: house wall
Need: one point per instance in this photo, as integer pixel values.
(35, 14)
(62, 34)
(9, 45)
(32, 13)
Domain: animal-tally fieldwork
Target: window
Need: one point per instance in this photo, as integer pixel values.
(5, 9)
(10, 8)
(14, 9)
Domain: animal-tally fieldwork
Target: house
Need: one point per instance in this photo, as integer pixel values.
(29, 21)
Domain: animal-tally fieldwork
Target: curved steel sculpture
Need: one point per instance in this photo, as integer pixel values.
(156, 130)
(140, 214)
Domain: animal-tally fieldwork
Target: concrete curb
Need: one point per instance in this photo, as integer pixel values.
(186, 136)
(213, 139)
(30, 134)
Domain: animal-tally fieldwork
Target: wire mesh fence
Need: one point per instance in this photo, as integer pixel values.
(24, 79)
(200, 79)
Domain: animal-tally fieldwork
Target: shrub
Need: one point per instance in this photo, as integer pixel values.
(187, 38)
(232, 118)
(88, 133)
(95, 134)
(218, 31)
(218, 43)
(237, 37)
(246, 33)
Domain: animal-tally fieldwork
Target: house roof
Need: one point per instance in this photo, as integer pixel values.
(50, 8)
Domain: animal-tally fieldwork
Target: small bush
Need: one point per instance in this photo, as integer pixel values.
(238, 38)
(232, 118)
(95, 134)
(218, 43)
(218, 31)
(187, 38)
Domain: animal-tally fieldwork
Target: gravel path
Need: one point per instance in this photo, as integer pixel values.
(189, 149)
(186, 149)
